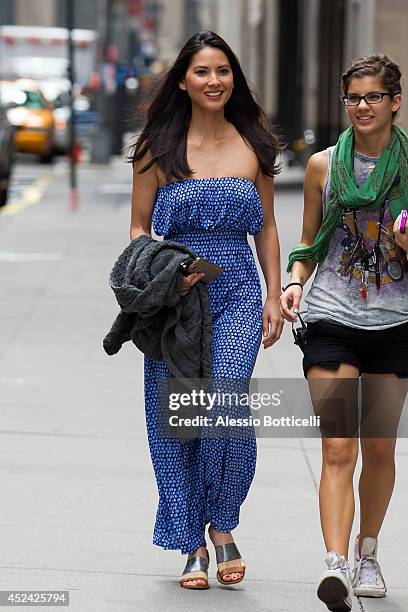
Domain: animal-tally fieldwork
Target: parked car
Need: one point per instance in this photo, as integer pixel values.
(57, 92)
(7, 150)
(31, 115)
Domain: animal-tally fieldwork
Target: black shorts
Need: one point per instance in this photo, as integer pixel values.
(378, 351)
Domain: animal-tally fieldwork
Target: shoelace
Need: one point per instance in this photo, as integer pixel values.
(368, 571)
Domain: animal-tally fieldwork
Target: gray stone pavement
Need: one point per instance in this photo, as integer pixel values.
(78, 492)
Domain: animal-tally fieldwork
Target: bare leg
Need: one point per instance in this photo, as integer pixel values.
(384, 397)
(336, 495)
(376, 483)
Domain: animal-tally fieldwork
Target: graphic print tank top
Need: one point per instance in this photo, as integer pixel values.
(336, 292)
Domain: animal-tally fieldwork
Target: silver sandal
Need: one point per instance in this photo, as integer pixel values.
(196, 569)
(226, 553)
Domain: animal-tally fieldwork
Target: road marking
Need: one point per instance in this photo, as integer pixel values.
(12, 257)
(30, 197)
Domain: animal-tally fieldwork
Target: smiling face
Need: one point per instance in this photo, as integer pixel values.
(209, 80)
(371, 118)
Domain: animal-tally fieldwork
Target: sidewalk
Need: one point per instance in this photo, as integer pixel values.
(290, 177)
(79, 496)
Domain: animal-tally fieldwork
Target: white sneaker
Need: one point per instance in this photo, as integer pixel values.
(335, 584)
(368, 580)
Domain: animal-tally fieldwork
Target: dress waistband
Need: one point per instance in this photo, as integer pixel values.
(211, 234)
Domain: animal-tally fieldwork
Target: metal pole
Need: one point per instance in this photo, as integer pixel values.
(73, 153)
(101, 147)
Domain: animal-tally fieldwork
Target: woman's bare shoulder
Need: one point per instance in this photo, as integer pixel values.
(152, 173)
(318, 161)
(317, 167)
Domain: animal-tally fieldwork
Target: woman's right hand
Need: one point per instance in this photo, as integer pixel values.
(189, 281)
(289, 303)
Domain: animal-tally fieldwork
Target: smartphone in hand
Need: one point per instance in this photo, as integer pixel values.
(211, 270)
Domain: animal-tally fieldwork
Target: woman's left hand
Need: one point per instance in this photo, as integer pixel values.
(400, 239)
(272, 322)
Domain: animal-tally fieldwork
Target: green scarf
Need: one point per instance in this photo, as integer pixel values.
(380, 186)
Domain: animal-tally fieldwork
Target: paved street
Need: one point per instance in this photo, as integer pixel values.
(78, 492)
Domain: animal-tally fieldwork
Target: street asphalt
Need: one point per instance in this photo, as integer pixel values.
(78, 492)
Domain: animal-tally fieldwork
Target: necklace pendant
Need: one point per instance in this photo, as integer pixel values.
(364, 281)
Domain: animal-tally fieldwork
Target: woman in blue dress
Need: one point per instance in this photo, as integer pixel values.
(203, 176)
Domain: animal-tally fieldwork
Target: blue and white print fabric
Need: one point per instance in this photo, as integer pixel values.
(206, 481)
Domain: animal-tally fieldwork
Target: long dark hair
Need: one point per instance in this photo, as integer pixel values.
(169, 114)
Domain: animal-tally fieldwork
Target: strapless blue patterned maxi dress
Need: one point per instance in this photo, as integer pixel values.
(206, 481)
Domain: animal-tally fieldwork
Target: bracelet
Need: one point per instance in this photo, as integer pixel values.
(291, 285)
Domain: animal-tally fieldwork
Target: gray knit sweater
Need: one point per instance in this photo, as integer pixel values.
(162, 323)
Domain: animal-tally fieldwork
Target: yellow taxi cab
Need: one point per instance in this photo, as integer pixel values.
(31, 115)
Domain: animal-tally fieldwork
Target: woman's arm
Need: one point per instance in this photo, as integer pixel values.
(144, 192)
(267, 248)
(315, 178)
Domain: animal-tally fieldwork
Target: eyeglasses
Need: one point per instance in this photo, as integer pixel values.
(373, 97)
